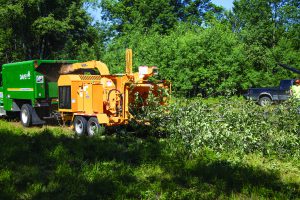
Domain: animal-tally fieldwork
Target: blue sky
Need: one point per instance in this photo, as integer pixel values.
(228, 4)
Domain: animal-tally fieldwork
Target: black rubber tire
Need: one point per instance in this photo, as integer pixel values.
(94, 128)
(26, 115)
(265, 101)
(80, 125)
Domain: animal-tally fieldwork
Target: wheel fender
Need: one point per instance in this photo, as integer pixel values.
(15, 107)
(102, 118)
(265, 94)
(36, 120)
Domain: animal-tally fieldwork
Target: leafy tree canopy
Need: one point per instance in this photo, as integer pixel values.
(32, 29)
(162, 15)
(202, 48)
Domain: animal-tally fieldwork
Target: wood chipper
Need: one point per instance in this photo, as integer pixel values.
(92, 100)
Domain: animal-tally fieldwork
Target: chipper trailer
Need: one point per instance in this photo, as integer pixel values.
(84, 94)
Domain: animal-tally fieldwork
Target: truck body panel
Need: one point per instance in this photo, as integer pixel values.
(29, 81)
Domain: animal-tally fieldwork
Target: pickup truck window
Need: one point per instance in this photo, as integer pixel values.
(286, 84)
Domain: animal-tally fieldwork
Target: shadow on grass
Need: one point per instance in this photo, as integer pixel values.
(45, 166)
(226, 179)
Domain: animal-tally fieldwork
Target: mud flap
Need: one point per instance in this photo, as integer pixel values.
(36, 120)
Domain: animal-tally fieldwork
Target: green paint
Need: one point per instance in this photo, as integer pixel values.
(29, 80)
(53, 89)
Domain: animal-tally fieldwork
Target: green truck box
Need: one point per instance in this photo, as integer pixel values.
(30, 87)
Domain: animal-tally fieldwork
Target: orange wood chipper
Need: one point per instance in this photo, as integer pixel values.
(91, 97)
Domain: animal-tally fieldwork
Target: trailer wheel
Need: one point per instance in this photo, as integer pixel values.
(26, 115)
(94, 128)
(265, 101)
(80, 125)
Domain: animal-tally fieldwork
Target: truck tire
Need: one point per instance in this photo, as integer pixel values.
(94, 128)
(265, 101)
(80, 125)
(26, 115)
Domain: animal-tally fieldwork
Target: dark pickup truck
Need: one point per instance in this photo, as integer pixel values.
(266, 96)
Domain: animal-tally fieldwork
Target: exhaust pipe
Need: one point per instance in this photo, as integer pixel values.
(128, 61)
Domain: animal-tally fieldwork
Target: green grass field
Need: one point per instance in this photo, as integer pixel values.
(51, 163)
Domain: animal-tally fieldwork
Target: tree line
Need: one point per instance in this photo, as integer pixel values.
(202, 48)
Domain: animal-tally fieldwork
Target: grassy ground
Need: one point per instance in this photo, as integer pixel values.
(50, 163)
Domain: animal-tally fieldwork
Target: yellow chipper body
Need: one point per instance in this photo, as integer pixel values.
(89, 96)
